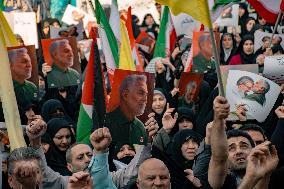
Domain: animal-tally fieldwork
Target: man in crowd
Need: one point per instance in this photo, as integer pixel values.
(24, 169)
(61, 74)
(235, 162)
(153, 173)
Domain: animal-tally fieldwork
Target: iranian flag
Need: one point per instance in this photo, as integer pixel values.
(134, 49)
(167, 36)
(108, 40)
(268, 9)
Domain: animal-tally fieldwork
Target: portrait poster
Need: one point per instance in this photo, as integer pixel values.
(85, 46)
(202, 51)
(187, 78)
(32, 54)
(274, 68)
(259, 35)
(76, 29)
(73, 15)
(253, 68)
(146, 42)
(229, 16)
(256, 93)
(119, 76)
(73, 43)
(24, 24)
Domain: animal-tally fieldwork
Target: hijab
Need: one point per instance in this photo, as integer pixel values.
(159, 117)
(55, 158)
(246, 59)
(227, 52)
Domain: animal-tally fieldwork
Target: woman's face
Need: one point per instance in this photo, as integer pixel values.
(189, 149)
(250, 25)
(124, 151)
(248, 47)
(227, 42)
(62, 139)
(149, 20)
(159, 103)
(241, 12)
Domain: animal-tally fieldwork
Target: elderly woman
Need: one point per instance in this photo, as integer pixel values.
(159, 105)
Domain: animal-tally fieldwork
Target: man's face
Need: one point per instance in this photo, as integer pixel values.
(136, 97)
(189, 149)
(246, 86)
(256, 136)
(258, 86)
(21, 66)
(154, 175)
(16, 179)
(81, 155)
(239, 149)
(64, 55)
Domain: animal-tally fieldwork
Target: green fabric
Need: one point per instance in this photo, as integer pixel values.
(223, 2)
(25, 92)
(60, 78)
(160, 47)
(102, 20)
(124, 131)
(201, 64)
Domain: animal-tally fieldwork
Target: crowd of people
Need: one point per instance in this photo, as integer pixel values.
(187, 141)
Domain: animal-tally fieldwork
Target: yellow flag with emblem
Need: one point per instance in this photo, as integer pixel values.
(198, 9)
(7, 94)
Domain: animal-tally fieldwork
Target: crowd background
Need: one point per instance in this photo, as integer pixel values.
(183, 131)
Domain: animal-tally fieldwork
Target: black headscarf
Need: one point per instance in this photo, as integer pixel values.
(175, 161)
(244, 27)
(222, 53)
(243, 19)
(246, 59)
(158, 117)
(184, 112)
(55, 158)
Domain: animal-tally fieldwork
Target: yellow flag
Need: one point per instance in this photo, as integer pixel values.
(198, 9)
(7, 94)
(126, 61)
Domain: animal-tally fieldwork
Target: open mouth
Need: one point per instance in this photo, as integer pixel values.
(241, 160)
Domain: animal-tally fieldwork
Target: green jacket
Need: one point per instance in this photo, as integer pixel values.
(25, 92)
(124, 131)
(59, 78)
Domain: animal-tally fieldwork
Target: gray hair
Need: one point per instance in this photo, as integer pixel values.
(191, 85)
(22, 154)
(55, 44)
(129, 81)
(12, 54)
(244, 79)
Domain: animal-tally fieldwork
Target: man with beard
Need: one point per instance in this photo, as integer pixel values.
(260, 88)
(187, 100)
(62, 75)
(235, 162)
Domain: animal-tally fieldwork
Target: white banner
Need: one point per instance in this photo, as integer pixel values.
(274, 68)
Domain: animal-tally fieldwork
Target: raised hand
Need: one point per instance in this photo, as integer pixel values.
(80, 180)
(101, 139)
(169, 121)
(221, 108)
(151, 126)
(280, 112)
